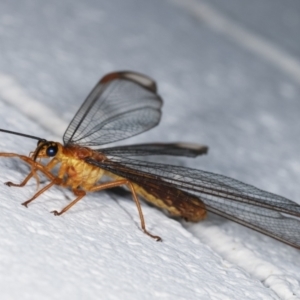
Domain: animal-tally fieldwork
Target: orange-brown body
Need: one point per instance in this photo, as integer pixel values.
(79, 174)
(74, 172)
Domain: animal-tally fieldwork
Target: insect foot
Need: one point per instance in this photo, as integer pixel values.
(56, 213)
(156, 237)
(25, 204)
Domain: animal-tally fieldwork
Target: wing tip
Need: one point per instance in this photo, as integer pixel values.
(196, 148)
(138, 78)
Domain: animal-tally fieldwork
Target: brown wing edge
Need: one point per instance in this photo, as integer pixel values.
(172, 149)
(138, 78)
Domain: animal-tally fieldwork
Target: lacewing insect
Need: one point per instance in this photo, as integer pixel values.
(124, 104)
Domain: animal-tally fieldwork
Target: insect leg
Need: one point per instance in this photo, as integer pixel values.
(9, 183)
(33, 165)
(135, 198)
(45, 188)
(37, 167)
(138, 205)
(24, 182)
(54, 181)
(108, 185)
(79, 193)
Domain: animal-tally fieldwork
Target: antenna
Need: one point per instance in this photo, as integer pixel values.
(21, 134)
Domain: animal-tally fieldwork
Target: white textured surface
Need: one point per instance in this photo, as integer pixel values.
(217, 91)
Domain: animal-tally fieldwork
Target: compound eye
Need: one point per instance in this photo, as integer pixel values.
(51, 151)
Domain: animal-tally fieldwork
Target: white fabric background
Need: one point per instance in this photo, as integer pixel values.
(229, 75)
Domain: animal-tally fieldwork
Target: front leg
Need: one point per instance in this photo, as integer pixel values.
(54, 180)
(33, 165)
(24, 182)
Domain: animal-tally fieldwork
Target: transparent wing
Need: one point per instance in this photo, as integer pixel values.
(265, 212)
(175, 149)
(121, 105)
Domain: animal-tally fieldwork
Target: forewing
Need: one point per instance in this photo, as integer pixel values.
(265, 212)
(121, 105)
(175, 149)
